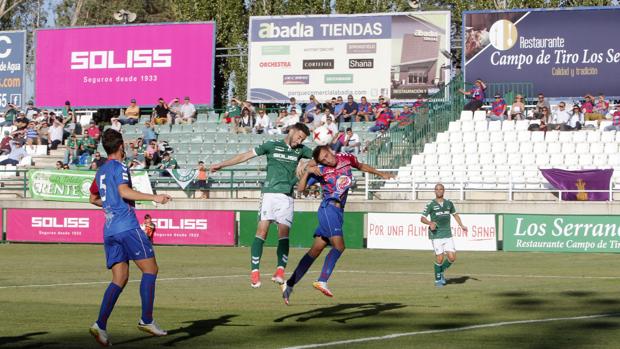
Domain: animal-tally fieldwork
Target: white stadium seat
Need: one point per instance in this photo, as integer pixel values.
(582, 148)
(568, 148)
(496, 137)
(604, 124)
(510, 136)
(486, 158)
(483, 136)
(495, 126)
(508, 125)
(608, 136)
(614, 160)
(456, 137)
(480, 126)
(514, 159)
(467, 126)
(552, 136)
(611, 148)
(471, 148)
(522, 125)
(469, 137)
(454, 126)
(484, 147)
(472, 159)
(443, 148)
(601, 160)
(444, 159)
(556, 159)
(500, 158)
(538, 136)
(524, 136)
(586, 160)
(430, 159)
(571, 160)
(467, 115)
(596, 147)
(498, 148)
(566, 137)
(480, 115)
(443, 137)
(528, 159)
(543, 160)
(512, 147)
(458, 159)
(526, 147)
(417, 160)
(554, 148)
(581, 136)
(430, 148)
(456, 148)
(594, 136)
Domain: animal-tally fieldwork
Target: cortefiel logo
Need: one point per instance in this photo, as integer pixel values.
(53, 222)
(318, 64)
(361, 63)
(160, 58)
(189, 224)
(7, 40)
(273, 31)
(274, 64)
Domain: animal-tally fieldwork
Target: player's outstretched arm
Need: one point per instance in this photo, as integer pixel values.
(129, 194)
(369, 169)
(457, 218)
(432, 225)
(237, 159)
(303, 180)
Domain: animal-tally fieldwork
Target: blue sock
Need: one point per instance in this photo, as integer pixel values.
(107, 304)
(303, 266)
(147, 294)
(329, 264)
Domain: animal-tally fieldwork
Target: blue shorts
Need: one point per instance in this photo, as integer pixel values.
(129, 245)
(330, 221)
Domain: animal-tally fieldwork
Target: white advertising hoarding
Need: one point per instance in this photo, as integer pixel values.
(404, 231)
(394, 55)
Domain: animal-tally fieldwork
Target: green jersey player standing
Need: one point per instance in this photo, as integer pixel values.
(276, 203)
(440, 232)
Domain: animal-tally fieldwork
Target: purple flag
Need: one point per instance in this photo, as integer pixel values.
(582, 181)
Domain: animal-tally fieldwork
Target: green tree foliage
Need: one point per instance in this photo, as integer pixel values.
(97, 12)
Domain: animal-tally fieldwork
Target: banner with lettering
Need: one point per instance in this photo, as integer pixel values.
(12, 67)
(405, 231)
(393, 55)
(548, 48)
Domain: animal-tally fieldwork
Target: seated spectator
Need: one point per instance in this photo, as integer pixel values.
(116, 125)
(42, 131)
(349, 110)
(560, 118)
(9, 115)
(517, 110)
(576, 120)
(331, 125)
(201, 180)
(151, 154)
(284, 121)
(32, 133)
(168, 163)
(364, 110)
(615, 120)
(187, 112)
(545, 118)
(132, 114)
(73, 151)
(89, 144)
(338, 141)
(320, 118)
(148, 132)
(476, 94)
(247, 105)
(21, 121)
(93, 166)
(160, 113)
(233, 111)
(498, 109)
(384, 118)
(246, 122)
(56, 132)
(31, 148)
(93, 131)
(262, 124)
(174, 109)
(98, 159)
(71, 125)
(588, 108)
(312, 108)
(541, 103)
(293, 104)
(601, 107)
(405, 118)
(16, 155)
(352, 142)
(338, 108)
(5, 144)
(65, 167)
(31, 110)
(331, 105)
(59, 165)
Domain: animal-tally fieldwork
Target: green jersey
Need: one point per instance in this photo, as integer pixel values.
(282, 162)
(233, 110)
(71, 143)
(170, 164)
(440, 214)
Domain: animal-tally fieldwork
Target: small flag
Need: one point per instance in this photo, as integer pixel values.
(183, 177)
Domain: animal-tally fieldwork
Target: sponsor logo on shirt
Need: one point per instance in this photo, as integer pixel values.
(343, 183)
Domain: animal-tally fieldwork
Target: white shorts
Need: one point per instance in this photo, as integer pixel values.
(277, 208)
(443, 245)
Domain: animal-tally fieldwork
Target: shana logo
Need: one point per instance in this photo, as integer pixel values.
(53, 222)
(161, 58)
(188, 224)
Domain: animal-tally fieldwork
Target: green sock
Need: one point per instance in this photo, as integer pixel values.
(437, 271)
(282, 251)
(445, 265)
(257, 253)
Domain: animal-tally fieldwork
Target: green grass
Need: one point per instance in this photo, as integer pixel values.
(377, 293)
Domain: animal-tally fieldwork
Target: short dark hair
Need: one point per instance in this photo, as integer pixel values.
(301, 127)
(147, 216)
(349, 129)
(201, 162)
(317, 152)
(111, 141)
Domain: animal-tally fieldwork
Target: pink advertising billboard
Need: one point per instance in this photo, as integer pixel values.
(108, 66)
(174, 227)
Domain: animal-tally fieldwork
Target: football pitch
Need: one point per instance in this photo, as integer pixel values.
(50, 295)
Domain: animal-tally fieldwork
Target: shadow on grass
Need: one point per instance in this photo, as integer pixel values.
(17, 339)
(196, 328)
(460, 280)
(343, 312)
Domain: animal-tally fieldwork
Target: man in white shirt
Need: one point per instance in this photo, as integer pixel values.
(187, 111)
(560, 117)
(329, 122)
(262, 124)
(352, 142)
(55, 134)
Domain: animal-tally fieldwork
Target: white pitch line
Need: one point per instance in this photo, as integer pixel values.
(456, 329)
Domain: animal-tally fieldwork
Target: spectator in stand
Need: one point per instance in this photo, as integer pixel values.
(148, 227)
(384, 118)
(32, 133)
(615, 120)
(331, 125)
(148, 132)
(588, 108)
(312, 108)
(167, 163)
(16, 155)
(541, 103)
(55, 135)
(116, 125)
(233, 111)
(132, 114)
(349, 111)
(560, 118)
(31, 110)
(67, 109)
(246, 122)
(31, 148)
(160, 113)
(601, 107)
(364, 110)
(9, 115)
(338, 141)
(5, 144)
(262, 124)
(201, 180)
(476, 94)
(338, 108)
(187, 112)
(320, 118)
(498, 109)
(93, 166)
(42, 131)
(279, 122)
(174, 108)
(89, 144)
(21, 122)
(331, 105)
(151, 154)
(293, 104)
(517, 110)
(576, 120)
(65, 167)
(352, 142)
(71, 124)
(59, 165)
(290, 120)
(93, 131)
(73, 151)
(378, 106)
(405, 118)
(98, 159)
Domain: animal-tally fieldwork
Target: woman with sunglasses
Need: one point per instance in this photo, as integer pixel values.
(517, 110)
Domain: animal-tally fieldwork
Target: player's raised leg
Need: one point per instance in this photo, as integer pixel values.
(282, 253)
(256, 252)
(329, 264)
(302, 268)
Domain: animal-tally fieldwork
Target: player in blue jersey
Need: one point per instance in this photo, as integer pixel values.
(334, 173)
(123, 238)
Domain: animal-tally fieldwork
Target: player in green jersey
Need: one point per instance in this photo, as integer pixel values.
(277, 194)
(440, 233)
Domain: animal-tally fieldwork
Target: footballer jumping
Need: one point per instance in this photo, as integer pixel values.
(123, 238)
